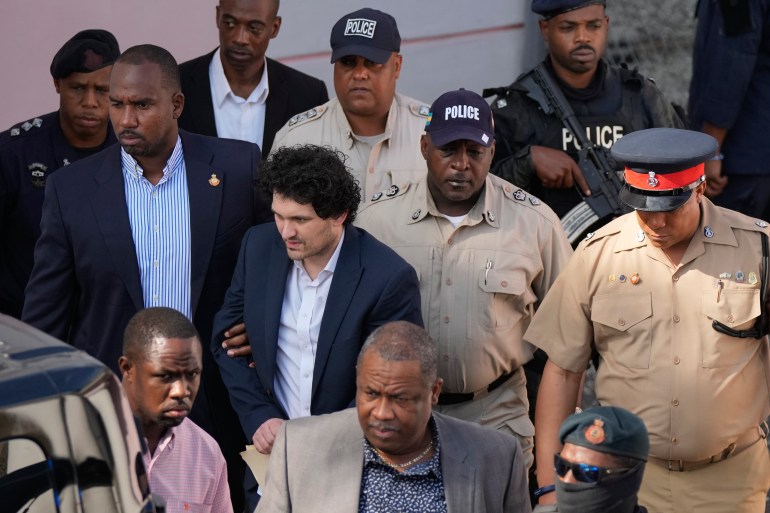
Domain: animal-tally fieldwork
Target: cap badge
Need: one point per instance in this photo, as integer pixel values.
(708, 232)
(214, 181)
(739, 276)
(761, 224)
(595, 433)
(651, 180)
(635, 279)
(640, 236)
(534, 200)
(752, 278)
(360, 27)
(416, 214)
(519, 195)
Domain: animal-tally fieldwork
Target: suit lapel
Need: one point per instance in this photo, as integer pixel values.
(202, 113)
(111, 214)
(456, 469)
(275, 106)
(277, 268)
(347, 275)
(205, 203)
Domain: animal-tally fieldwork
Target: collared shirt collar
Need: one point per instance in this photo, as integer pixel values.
(713, 228)
(220, 87)
(344, 125)
(132, 168)
(423, 204)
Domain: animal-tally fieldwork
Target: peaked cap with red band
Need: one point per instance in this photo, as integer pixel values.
(662, 166)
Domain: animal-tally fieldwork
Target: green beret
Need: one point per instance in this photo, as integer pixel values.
(607, 429)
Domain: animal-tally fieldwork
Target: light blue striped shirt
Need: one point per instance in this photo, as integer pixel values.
(160, 224)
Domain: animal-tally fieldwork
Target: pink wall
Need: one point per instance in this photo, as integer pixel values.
(447, 43)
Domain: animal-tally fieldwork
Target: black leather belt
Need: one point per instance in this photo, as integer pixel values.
(447, 399)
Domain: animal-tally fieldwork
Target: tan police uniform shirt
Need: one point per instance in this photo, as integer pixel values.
(697, 390)
(481, 282)
(394, 160)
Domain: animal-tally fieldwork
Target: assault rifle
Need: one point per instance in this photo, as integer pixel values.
(597, 169)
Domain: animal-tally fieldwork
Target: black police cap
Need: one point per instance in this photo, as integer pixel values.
(367, 32)
(662, 166)
(550, 8)
(87, 51)
(607, 429)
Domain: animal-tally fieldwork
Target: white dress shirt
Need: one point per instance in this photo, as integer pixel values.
(303, 308)
(236, 117)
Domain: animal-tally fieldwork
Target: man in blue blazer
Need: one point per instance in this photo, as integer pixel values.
(153, 221)
(309, 288)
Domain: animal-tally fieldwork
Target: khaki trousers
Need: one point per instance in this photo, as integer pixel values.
(738, 484)
(504, 409)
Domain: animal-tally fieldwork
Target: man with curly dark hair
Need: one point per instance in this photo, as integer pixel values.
(309, 289)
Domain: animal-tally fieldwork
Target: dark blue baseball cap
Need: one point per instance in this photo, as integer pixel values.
(368, 33)
(460, 115)
(550, 8)
(662, 166)
(85, 52)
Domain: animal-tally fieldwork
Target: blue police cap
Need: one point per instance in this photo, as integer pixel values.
(85, 52)
(662, 166)
(460, 115)
(607, 429)
(550, 8)
(368, 33)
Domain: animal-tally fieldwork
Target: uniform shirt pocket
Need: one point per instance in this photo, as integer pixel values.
(623, 327)
(500, 306)
(737, 309)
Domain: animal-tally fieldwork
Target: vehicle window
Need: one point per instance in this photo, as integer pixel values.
(27, 477)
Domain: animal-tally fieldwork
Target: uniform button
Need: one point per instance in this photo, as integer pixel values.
(155, 263)
(622, 322)
(676, 318)
(450, 242)
(503, 283)
(675, 402)
(676, 360)
(674, 441)
(446, 319)
(154, 297)
(730, 318)
(155, 227)
(307, 375)
(449, 281)
(676, 278)
(155, 194)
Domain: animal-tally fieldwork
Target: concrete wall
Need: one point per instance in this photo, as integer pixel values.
(446, 43)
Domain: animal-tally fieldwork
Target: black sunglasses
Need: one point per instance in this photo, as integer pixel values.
(583, 472)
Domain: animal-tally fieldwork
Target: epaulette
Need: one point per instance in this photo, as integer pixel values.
(743, 222)
(307, 116)
(26, 127)
(612, 228)
(419, 109)
(390, 192)
(518, 195)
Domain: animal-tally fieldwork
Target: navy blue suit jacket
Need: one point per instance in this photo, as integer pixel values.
(371, 286)
(85, 283)
(291, 92)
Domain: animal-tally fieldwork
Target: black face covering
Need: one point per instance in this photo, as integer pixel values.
(610, 495)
